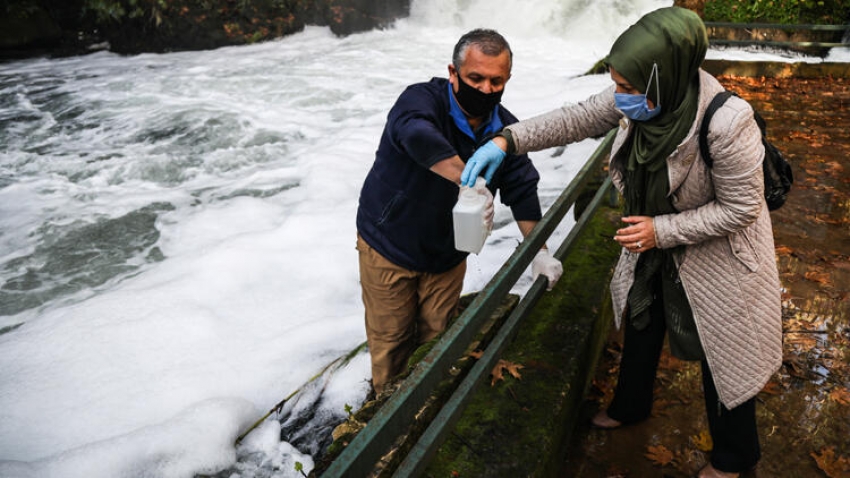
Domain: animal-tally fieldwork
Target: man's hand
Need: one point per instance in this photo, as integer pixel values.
(547, 265)
(489, 156)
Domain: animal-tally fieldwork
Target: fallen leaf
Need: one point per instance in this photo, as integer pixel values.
(834, 168)
(796, 367)
(840, 395)
(833, 466)
(513, 368)
(497, 375)
(783, 251)
(476, 354)
(819, 277)
(772, 388)
(805, 341)
(659, 455)
(499, 369)
(703, 441)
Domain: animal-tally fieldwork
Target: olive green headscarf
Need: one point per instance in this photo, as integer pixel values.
(675, 39)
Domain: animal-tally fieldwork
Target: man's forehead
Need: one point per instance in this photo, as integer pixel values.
(476, 61)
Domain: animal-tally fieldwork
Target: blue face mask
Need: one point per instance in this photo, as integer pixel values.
(635, 106)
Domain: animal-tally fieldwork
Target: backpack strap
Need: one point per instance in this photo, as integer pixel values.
(715, 105)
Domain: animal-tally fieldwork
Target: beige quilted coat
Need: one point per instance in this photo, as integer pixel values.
(729, 266)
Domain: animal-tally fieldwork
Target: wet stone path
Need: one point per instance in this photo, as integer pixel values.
(804, 411)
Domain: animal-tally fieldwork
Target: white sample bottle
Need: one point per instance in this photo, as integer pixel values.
(468, 217)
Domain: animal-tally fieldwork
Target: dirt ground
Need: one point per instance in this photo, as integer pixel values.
(804, 411)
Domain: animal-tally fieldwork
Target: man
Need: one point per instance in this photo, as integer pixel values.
(410, 272)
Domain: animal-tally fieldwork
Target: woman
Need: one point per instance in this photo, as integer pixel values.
(698, 257)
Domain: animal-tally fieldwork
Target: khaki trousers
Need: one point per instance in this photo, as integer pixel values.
(404, 309)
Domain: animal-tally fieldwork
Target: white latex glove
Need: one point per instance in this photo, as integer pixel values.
(489, 210)
(547, 265)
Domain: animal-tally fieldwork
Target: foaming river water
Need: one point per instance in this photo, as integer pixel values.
(177, 230)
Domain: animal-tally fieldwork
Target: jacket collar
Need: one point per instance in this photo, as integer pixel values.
(491, 126)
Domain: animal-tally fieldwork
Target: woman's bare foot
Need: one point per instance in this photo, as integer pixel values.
(602, 420)
(709, 471)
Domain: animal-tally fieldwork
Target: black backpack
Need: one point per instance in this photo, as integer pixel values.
(777, 171)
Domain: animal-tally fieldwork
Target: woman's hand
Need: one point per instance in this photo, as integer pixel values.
(639, 236)
(488, 156)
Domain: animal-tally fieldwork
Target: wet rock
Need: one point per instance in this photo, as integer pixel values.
(46, 27)
(345, 17)
(37, 27)
(34, 28)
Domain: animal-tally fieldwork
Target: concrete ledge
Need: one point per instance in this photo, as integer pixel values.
(522, 427)
(776, 69)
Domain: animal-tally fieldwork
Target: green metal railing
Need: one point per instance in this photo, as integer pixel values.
(363, 452)
(779, 44)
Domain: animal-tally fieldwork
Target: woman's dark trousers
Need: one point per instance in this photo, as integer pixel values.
(734, 432)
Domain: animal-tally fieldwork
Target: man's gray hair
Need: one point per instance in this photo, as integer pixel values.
(490, 42)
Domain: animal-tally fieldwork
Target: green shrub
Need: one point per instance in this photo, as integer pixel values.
(19, 9)
(830, 12)
(120, 10)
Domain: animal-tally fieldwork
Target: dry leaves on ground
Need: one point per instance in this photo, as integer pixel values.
(819, 277)
(783, 251)
(659, 454)
(840, 395)
(703, 441)
(834, 466)
(772, 388)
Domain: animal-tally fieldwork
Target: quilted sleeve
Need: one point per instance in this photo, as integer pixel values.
(568, 124)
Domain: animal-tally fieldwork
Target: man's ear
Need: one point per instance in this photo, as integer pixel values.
(453, 73)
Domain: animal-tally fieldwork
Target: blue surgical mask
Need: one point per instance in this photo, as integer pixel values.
(635, 106)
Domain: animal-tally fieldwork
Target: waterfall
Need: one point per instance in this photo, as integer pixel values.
(572, 20)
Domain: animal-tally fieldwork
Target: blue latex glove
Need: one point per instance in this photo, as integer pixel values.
(489, 156)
